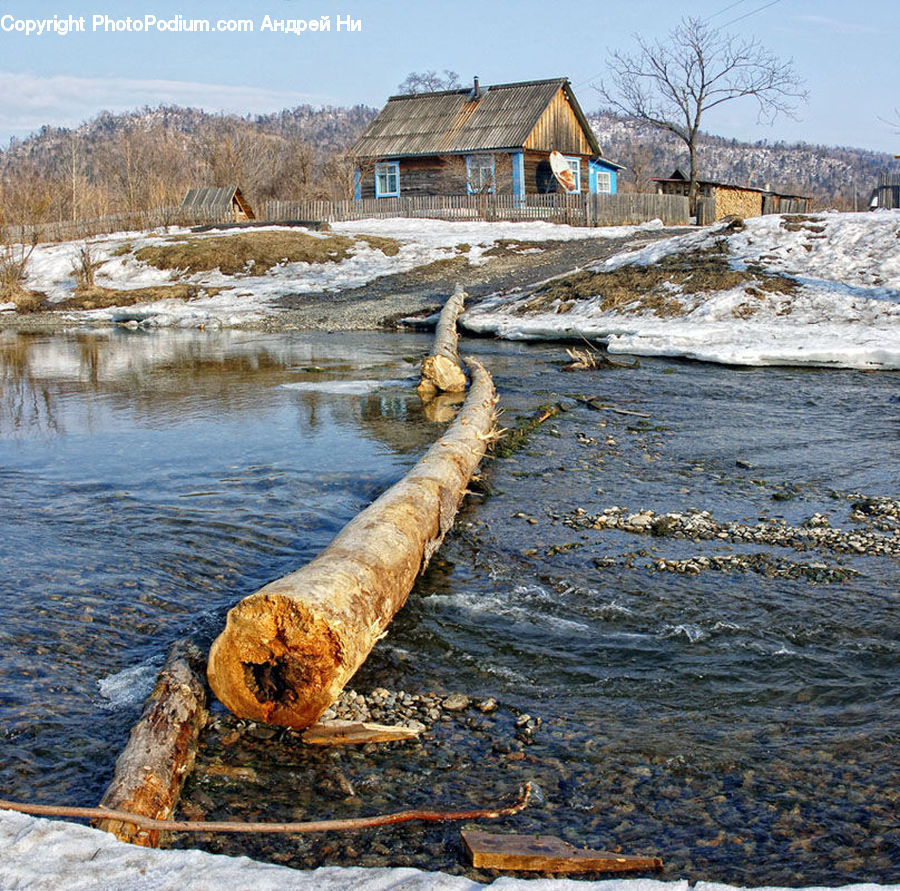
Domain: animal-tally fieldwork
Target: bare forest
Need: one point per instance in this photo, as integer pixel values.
(148, 158)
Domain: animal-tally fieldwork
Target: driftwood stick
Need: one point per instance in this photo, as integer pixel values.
(441, 371)
(153, 766)
(288, 650)
(149, 824)
(591, 402)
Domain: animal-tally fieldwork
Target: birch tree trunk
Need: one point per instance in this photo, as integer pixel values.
(441, 371)
(288, 650)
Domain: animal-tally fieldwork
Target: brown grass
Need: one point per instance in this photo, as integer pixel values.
(26, 301)
(390, 247)
(798, 222)
(103, 298)
(656, 288)
(509, 247)
(255, 253)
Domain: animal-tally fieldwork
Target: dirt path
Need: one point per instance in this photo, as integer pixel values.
(421, 291)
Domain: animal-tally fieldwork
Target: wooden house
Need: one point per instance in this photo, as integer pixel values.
(496, 139)
(726, 199)
(218, 203)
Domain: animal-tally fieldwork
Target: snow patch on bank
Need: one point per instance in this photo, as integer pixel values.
(46, 855)
(248, 297)
(844, 312)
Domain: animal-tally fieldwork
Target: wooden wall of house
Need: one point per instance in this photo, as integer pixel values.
(539, 178)
(447, 175)
(558, 130)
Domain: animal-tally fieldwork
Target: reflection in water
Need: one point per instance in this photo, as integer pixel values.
(159, 377)
(147, 482)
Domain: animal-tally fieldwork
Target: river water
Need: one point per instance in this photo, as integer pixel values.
(739, 719)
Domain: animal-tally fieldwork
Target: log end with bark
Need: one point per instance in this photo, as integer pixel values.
(159, 755)
(288, 650)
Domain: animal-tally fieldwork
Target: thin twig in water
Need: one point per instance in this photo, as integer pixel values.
(102, 813)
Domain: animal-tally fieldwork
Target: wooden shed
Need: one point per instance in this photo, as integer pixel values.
(887, 193)
(217, 203)
(728, 199)
(496, 139)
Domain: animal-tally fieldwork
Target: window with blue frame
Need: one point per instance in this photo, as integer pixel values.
(574, 165)
(387, 180)
(479, 174)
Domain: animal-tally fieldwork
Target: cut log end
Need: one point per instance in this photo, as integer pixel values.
(441, 371)
(275, 662)
(441, 374)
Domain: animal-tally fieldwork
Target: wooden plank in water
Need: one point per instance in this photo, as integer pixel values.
(350, 733)
(545, 853)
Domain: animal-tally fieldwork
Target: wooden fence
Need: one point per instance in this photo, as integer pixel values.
(574, 210)
(139, 221)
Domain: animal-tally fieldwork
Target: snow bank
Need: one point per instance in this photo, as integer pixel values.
(250, 297)
(844, 312)
(50, 854)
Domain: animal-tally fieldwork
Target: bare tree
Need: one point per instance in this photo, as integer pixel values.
(429, 82)
(670, 84)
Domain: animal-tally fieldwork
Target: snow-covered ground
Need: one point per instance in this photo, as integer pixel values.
(844, 312)
(48, 855)
(248, 297)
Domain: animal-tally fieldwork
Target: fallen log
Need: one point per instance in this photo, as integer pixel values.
(153, 766)
(288, 650)
(441, 371)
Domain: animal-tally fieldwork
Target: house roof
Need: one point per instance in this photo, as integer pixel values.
(212, 199)
(452, 122)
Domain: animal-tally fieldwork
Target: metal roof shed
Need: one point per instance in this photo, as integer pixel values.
(218, 203)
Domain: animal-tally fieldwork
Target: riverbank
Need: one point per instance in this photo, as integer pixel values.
(372, 281)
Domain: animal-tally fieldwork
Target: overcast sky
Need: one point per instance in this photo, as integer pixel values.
(846, 52)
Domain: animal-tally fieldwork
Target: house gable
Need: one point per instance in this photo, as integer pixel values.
(560, 128)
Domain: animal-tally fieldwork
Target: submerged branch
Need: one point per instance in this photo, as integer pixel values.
(148, 823)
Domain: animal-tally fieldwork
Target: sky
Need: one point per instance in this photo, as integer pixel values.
(845, 52)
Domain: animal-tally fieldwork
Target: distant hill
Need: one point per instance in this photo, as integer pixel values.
(148, 158)
(829, 175)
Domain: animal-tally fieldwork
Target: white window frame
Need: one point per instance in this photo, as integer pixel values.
(603, 177)
(575, 167)
(385, 171)
(476, 165)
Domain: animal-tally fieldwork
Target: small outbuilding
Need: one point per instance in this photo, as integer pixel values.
(728, 199)
(519, 139)
(216, 203)
(887, 194)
